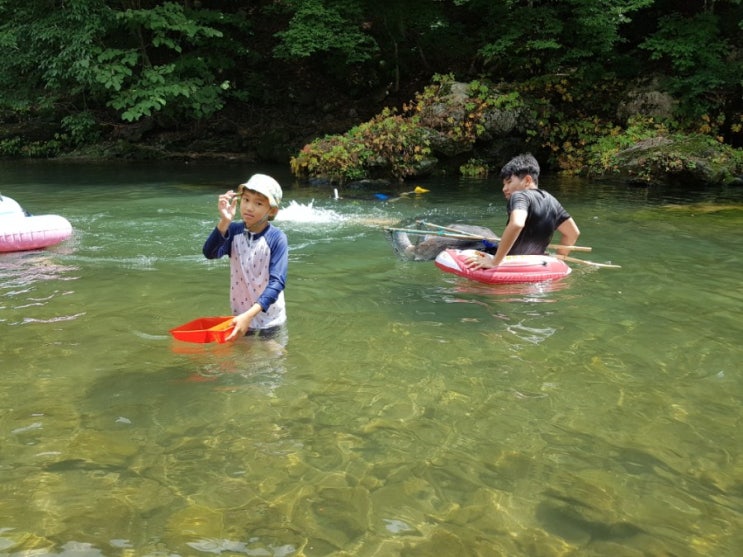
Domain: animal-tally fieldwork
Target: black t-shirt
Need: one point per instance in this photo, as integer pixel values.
(544, 215)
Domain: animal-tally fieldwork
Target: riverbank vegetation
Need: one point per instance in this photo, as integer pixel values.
(347, 89)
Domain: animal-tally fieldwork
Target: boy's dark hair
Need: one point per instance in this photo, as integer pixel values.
(521, 166)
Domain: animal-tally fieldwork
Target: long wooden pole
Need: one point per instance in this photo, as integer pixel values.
(459, 235)
(454, 230)
(584, 262)
(476, 236)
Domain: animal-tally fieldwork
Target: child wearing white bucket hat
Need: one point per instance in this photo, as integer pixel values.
(258, 252)
(266, 185)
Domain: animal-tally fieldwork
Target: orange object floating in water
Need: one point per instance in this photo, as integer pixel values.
(204, 330)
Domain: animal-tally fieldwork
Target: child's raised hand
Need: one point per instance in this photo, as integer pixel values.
(228, 205)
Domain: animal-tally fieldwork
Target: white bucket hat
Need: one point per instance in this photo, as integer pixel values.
(265, 185)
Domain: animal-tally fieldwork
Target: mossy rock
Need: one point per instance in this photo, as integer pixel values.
(689, 159)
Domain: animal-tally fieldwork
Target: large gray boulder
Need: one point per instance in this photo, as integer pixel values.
(693, 159)
(451, 110)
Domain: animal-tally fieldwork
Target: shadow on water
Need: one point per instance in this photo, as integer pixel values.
(567, 518)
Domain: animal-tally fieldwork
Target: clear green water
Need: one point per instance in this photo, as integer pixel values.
(410, 413)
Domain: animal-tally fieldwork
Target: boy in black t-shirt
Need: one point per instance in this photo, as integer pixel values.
(533, 216)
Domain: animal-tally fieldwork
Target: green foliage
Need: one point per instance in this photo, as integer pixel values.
(699, 59)
(16, 148)
(673, 154)
(398, 145)
(568, 140)
(601, 154)
(520, 39)
(337, 158)
(158, 88)
(81, 128)
(185, 86)
(566, 119)
(318, 27)
(139, 61)
(11, 147)
(389, 143)
(438, 110)
(79, 61)
(114, 67)
(67, 56)
(474, 168)
(396, 142)
(169, 25)
(47, 51)
(593, 29)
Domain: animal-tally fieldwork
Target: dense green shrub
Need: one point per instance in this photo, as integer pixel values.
(601, 153)
(474, 168)
(701, 64)
(389, 144)
(82, 128)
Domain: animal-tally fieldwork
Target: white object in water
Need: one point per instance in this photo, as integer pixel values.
(19, 232)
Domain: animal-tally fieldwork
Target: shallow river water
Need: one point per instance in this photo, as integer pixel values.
(407, 412)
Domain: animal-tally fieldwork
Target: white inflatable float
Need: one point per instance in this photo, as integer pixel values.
(22, 232)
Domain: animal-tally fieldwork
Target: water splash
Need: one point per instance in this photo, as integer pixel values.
(308, 213)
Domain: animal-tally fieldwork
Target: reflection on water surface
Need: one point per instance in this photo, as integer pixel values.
(407, 412)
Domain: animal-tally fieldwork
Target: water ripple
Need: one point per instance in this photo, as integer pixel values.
(54, 319)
